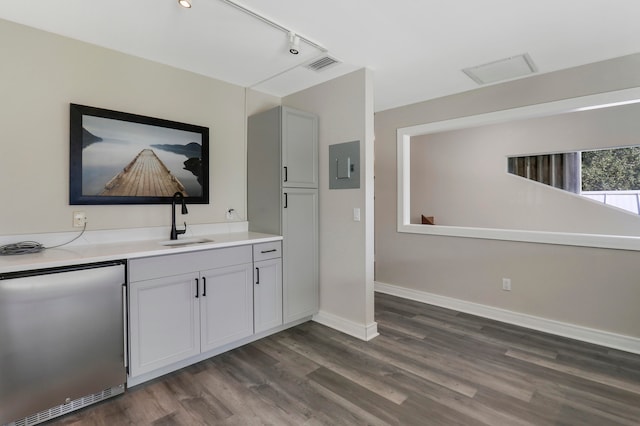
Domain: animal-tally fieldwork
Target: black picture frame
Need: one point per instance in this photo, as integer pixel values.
(105, 169)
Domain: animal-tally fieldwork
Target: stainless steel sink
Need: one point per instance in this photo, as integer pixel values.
(184, 242)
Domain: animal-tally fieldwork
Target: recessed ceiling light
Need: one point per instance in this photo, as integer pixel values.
(504, 69)
(185, 3)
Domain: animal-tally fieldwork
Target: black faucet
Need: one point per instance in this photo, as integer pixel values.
(175, 232)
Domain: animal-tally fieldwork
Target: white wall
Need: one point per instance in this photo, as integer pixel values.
(345, 107)
(42, 73)
(589, 287)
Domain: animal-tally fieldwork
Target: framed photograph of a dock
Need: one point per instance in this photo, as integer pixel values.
(121, 158)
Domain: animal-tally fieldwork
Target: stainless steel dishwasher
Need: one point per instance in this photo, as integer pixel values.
(62, 341)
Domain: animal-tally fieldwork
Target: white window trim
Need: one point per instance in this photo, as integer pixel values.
(404, 134)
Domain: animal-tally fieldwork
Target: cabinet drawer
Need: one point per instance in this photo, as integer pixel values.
(175, 264)
(264, 251)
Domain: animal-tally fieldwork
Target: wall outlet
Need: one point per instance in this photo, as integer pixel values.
(506, 284)
(79, 219)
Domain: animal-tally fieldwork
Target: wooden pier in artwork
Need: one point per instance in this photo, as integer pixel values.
(145, 176)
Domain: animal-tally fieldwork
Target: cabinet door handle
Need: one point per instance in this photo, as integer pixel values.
(286, 174)
(268, 251)
(257, 275)
(286, 200)
(204, 286)
(197, 288)
(125, 322)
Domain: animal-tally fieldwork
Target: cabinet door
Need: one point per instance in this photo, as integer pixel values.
(267, 294)
(226, 305)
(299, 149)
(300, 253)
(164, 322)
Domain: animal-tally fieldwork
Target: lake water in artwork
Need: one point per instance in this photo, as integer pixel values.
(120, 142)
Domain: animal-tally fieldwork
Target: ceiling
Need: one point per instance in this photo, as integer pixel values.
(416, 48)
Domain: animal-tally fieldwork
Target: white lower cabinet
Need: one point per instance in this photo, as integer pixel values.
(185, 304)
(226, 305)
(164, 322)
(267, 294)
(267, 286)
(182, 306)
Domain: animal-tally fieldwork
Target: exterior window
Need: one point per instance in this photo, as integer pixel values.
(610, 176)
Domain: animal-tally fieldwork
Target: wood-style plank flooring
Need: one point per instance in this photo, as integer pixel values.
(429, 366)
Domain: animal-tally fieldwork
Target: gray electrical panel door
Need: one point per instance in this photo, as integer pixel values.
(344, 165)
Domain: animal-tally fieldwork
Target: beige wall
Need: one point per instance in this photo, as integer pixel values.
(258, 102)
(460, 176)
(345, 107)
(595, 288)
(42, 73)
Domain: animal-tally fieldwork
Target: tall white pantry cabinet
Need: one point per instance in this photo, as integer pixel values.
(282, 198)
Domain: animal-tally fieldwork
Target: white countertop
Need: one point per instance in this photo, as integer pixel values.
(90, 253)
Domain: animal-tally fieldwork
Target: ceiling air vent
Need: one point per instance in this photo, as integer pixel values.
(322, 63)
(504, 69)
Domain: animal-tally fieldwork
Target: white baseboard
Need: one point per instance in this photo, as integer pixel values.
(360, 331)
(598, 337)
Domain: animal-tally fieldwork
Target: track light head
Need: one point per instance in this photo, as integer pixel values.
(185, 3)
(294, 43)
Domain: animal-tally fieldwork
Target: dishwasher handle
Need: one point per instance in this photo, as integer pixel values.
(125, 323)
(59, 269)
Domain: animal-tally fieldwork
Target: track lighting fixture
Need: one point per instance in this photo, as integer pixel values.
(294, 39)
(294, 43)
